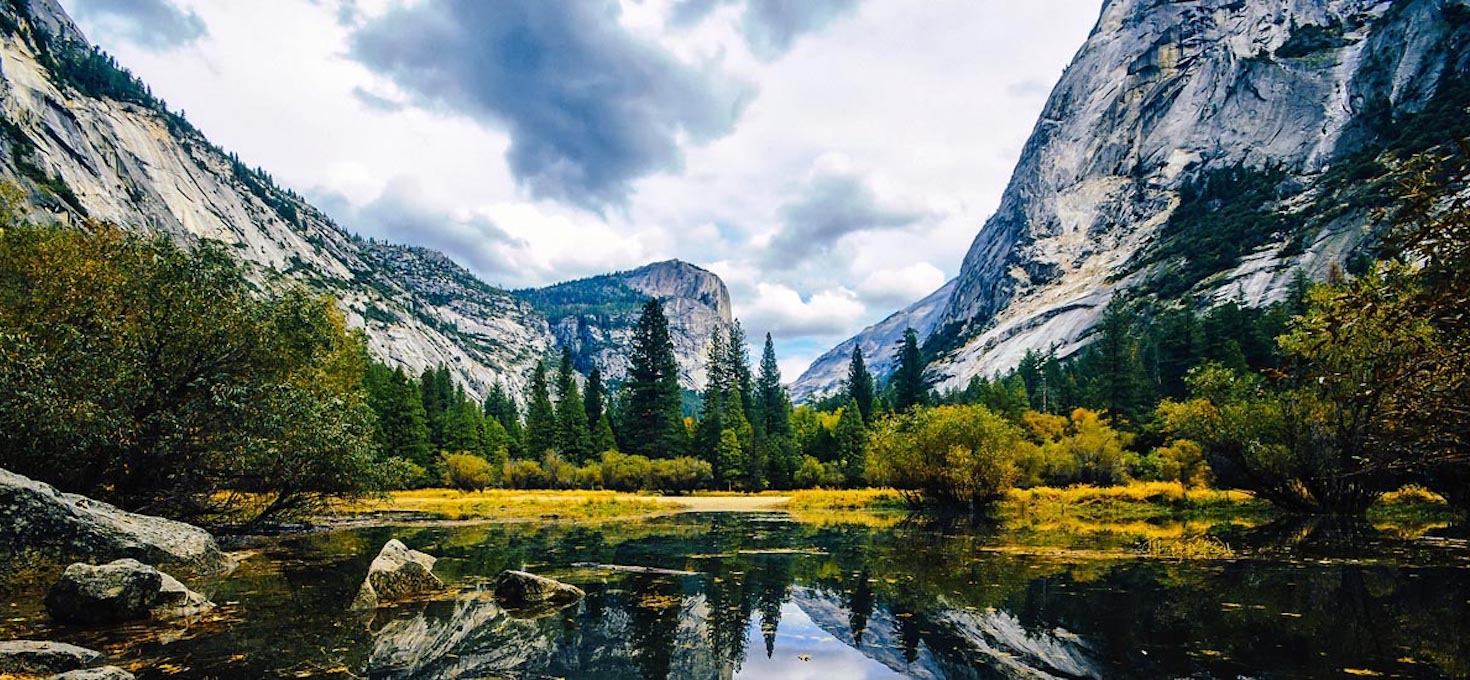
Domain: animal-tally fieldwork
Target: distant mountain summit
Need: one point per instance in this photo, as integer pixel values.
(88, 140)
(1199, 152)
(594, 317)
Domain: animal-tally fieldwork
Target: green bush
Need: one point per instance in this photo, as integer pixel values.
(950, 457)
(468, 473)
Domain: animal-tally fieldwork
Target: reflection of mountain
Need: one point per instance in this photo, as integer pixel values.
(472, 637)
(953, 643)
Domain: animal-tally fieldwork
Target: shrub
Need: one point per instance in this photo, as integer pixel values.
(467, 473)
(681, 474)
(952, 457)
(523, 474)
(814, 474)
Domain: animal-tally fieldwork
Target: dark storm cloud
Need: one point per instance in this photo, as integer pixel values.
(770, 27)
(589, 107)
(155, 24)
(829, 207)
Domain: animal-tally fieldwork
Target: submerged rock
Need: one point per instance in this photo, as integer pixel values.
(36, 657)
(122, 590)
(99, 673)
(519, 590)
(71, 527)
(397, 573)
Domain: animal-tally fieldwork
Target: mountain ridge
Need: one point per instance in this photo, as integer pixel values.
(87, 140)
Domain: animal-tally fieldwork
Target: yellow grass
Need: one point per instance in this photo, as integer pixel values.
(845, 499)
(510, 504)
(1137, 500)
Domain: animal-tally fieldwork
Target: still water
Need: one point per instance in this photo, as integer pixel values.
(762, 596)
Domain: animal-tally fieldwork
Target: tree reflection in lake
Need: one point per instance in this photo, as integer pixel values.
(767, 597)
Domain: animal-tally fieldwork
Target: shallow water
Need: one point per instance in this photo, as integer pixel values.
(767, 597)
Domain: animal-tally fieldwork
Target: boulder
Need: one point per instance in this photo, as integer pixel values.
(69, 527)
(122, 590)
(395, 574)
(519, 590)
(100, 673)
(35, 657)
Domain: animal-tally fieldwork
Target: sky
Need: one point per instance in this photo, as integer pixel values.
(831, 160)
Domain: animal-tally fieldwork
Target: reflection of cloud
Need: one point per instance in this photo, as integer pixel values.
(798, 636)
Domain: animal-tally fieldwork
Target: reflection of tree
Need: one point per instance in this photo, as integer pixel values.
(730, 611)
(772, 587)
(859, 606)
(654, 619)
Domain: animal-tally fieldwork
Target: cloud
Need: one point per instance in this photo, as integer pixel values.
(400, 214)
(1024, 89)
(770, 27)
(589, 106)
(156, 25)
(832, 203)
(376, 102)
(890, 288)
(780, 310)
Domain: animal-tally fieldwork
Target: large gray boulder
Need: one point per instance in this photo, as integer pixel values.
(397, 573)
(524, 591)
(100, 673)
(68, 527)
(122, 590)
(36, 657)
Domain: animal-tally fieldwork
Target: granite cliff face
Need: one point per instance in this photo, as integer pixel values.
(594, 317)
(1202, 151)
(87, 141)
(880, 341)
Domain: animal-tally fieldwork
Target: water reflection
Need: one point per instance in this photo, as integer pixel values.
(762, 596)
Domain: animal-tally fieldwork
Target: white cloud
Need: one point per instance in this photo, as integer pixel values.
(890, 288)
(924, 104)
(783, 310)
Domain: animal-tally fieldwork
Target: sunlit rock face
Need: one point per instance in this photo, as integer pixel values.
(135, 166)
(880, 342)
(1161, 96)
(595, 317)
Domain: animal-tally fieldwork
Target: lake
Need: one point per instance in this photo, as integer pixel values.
(758, 595)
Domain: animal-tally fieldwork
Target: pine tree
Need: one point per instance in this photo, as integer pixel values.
(653, 412)
(540, 415)
(573, 441)
(603, 439)
(775, 420)
(737, 362)
(501, 406)
(851, 443)
(594, 399)
(462, 425)
(909, 388)
(433, 408)
(403, 431)
(860, 385)
(1119, 382)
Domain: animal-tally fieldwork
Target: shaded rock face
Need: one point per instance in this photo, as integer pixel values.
(123, 590)
(101, 673)
(523, 591)
(880, 342)
(70, 527)
(595, 317)
(1162, 97)
(35, 657)
(397, 573)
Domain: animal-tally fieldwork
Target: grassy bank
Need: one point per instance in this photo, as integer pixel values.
(505, 504)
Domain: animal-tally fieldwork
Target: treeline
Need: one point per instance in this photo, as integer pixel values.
(1322, 403)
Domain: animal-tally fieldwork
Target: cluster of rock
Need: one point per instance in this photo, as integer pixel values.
(399, 573)
(56, 660)
(121, 590)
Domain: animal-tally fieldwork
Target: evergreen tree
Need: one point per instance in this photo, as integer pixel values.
(573, 439)
(860, 385)
(737, 362)
(594, 400)
(403, 431)
(501, 406)
(603, 439)
(434, 406)
(462, 425)
(540, 416)
(653, 413)
(775, 420)
(851, 443)
(909, 389)
(1119, 383)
